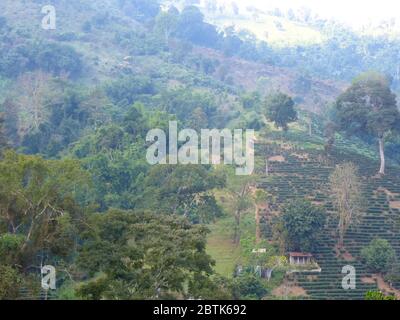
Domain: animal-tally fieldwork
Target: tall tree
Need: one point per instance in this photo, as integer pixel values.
(368, 108)
(33, 103)
(183, 190)
(345, 189)
(166, 24)
(301, 224)
(279, 108)
(142, 255)
(39, 207)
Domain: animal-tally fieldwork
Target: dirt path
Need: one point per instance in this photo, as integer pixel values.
(385, 288)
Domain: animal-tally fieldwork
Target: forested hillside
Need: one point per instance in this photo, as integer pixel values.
(77, 192)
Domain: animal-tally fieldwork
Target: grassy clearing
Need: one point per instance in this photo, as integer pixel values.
(277, 31)
(221, 247)
(220, 244)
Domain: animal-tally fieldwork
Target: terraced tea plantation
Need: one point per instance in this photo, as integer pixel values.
(303, 173)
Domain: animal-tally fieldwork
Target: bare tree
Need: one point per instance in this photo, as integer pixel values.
(345, 188)
(34, 91)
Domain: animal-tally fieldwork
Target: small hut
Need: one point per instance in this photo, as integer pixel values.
(300, 258)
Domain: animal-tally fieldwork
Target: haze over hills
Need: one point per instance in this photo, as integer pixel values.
(375, 18)
(78, 107)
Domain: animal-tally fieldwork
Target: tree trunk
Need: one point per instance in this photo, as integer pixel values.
(341, 239)
(382, 155)
(236, 238)
(341, 231)
(258, 230)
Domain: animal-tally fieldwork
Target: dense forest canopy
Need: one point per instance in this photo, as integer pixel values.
(76, 190)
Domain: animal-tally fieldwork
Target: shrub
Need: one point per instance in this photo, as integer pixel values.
(379, 255)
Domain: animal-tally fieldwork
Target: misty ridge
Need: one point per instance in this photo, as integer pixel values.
(199, 150)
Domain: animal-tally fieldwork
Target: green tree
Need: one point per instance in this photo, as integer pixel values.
(279, 108)
(379, 256)
(117, 164)
(166, 24)
(215, 287)
(134, 121)
(9, 283)
(142, 255)
(251, 100)
(368, 107)
(301, 223)
(248, 287)
(184, 190)
(41, 207)
(191, 27)
(241, 200)
(127, 90)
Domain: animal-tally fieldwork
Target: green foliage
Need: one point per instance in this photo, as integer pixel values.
(250, 120)
(379, 256)
(157, 249)
(117, 165)
(141, 10)
(184, 190)
(69, 115)
(211, 288)
(128, 89)
(378, 295)
(301, 222)
(182, 103)
(191, 27)
(142, 256)
(40, 208)
(248, 287)
(134, 122)
(166, 24)
(279, 108)
(50, 57)
(10, 246)
(140, 43)
(251, 100)
(367, 107)
(302, 85)
(9, 283)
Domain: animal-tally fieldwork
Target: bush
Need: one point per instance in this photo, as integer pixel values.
(9, 283)
(379, 256)
(249, 287)
(377, 295)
